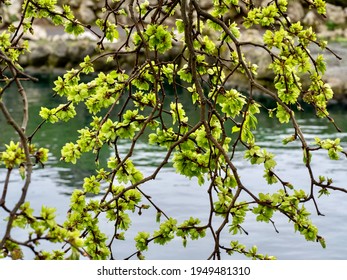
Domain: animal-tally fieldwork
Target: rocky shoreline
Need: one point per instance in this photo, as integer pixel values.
(53, 51)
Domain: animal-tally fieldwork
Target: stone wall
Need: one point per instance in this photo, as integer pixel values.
(53, 50)
(87, 11)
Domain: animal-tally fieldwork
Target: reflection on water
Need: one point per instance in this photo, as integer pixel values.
(183, 198)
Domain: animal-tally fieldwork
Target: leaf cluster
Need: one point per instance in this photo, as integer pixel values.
(171, 66)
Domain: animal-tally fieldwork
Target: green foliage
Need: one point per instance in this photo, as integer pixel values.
(73, 28)
(332, 146)
(190, 229)
(156, 37)
(231, 101)
(235, 246)
(264, 16)
(156, 62)
(282, 115)
(142, 241)
(13, 155)
(166, 231)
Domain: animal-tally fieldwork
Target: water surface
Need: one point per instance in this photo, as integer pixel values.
(183, 198)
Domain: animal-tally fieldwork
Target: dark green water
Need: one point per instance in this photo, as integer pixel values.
(181, 197)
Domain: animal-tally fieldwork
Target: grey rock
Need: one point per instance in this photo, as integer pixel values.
(251, 35)
(60, 48)
(39, 54)
(327, 34)
(86, 14)
(90, 3)
(295, 11)
(39, 33)
(311, 19)
(336, 84)
(77, 50)
(260, 57)
(59, 57)
(256, 55)
(11, 13)
(263, 2)
(73, 3)
(335, 14)
(342, 3)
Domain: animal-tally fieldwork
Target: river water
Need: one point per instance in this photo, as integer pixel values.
(182, 198)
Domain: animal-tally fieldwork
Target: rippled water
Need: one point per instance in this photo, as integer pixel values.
(183, 198)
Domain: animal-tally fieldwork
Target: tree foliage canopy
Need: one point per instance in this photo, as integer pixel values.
(171, 45)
